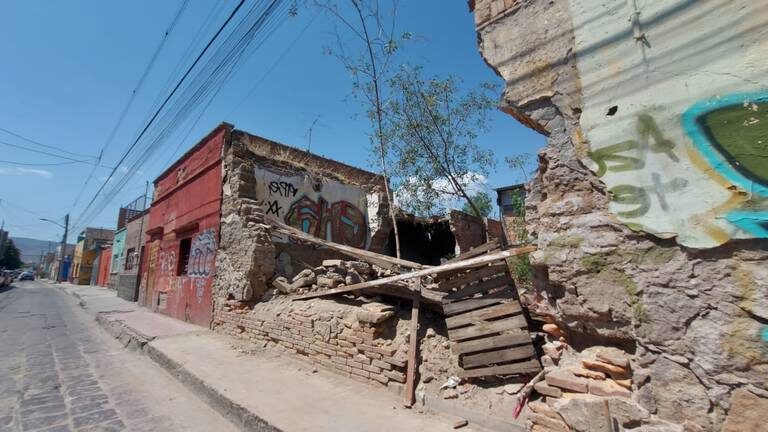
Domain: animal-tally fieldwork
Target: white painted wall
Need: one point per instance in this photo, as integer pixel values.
(697, 56)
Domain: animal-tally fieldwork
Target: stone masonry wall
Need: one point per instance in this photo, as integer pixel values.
(696, 320)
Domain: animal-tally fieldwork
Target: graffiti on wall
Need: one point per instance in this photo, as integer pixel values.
(326, 209)
(731, 133)
(168, 263)
(201, 254)
(682, 146)
(340, 222)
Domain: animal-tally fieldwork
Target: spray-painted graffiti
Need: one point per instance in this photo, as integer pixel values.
(681, 141)
(640, 196)
(731, 133)
(647, 131)
(341, 221)
(167, 263)
(322, 207)
(201, 254)
(200, 284)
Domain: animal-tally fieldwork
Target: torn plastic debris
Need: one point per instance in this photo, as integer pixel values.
(451, 383)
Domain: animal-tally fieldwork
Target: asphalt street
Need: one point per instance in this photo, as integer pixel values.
(60, 372)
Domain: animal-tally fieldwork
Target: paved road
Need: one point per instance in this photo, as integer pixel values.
(59, 372)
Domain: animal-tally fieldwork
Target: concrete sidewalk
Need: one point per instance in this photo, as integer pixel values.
(261, 391)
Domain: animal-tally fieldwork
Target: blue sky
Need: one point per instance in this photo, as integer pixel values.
(70, 67)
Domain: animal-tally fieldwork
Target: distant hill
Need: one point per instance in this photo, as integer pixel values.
(30, 248)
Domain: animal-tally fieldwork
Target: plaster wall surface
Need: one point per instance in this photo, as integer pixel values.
(318, 205)
(695, 319)
(675, 121)
(183, 233)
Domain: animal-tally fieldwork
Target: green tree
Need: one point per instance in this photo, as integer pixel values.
(483, 203)
(433, 125)
(366, 44)
(11, 259)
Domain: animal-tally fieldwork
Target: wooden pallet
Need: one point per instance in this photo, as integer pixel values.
(487, 324)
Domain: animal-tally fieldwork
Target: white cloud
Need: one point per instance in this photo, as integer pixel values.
(18, 171)
(475, 182)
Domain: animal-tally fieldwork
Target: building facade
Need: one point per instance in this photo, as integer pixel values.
(125, 276)
(89, 245)
(182, 234)
(650, 204)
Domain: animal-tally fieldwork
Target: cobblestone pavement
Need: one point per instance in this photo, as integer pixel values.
(59, 372)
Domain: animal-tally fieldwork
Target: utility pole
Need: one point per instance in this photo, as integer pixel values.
(60, 276)
(141, 246)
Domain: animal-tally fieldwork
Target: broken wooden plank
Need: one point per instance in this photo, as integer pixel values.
(477, 303)
(472, 276)
(529, 366)
(500, 356)
(483, 314)
(488, 327)
(479, 287)
(424, 272)
(483, 248)
(380, 260)
(506, 339)
(413, 347)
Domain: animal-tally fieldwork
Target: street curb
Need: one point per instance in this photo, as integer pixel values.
(134, 340)
(237, 414)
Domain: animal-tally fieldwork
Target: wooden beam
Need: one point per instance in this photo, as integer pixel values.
(496, 311)
(480, 286)
(483, 248)
(467, 305)
(507, 339)
(424, 272)
(483, 328)
(529, 366)
(413, 348)
(472, 276)
(362, 254)
(501, 356)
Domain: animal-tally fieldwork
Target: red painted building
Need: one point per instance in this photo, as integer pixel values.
(183, 232)
(105, 262)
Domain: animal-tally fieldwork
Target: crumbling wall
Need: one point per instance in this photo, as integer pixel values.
(358, 342)
(618, 100)
(246, 256)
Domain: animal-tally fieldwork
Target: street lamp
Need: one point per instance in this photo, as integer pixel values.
(63, 243)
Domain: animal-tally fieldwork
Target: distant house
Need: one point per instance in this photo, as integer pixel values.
(89, 245)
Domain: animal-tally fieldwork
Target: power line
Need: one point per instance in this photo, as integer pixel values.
(170, 95)
(259, 21)
(39, 164)
(274, 65)
(126, 108)
(51, 154)
(29, 140)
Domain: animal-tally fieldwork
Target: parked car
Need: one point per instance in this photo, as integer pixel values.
(27, 276)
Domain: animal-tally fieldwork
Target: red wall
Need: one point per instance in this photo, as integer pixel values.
(105, 262)
(187, 204)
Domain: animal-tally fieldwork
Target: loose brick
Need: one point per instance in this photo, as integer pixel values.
(395, 375)
(381, 364)
(566, 380)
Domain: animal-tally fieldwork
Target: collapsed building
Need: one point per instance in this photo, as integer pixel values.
(649, 207)
(254, 239)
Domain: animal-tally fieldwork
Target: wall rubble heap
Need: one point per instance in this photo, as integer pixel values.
(649, 204)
